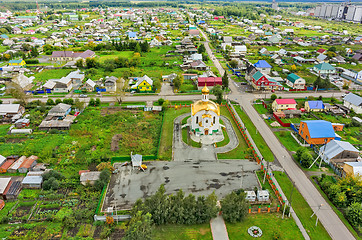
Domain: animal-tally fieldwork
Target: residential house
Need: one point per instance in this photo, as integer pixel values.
(239, 50)
(70, 55)
(199, 65)
(322, 58)
(351, 101)
(194, 32)
(9, 112)
(316, 131)
(60, 111)
(143, 84)
(263, 66)
(16, 30)
(110, 84)
(17, 63)
(89, 85)
(264, 52)
(324, 68)
(261, 82)
(314, 106)
(208, 81)
(63, 85)
(338, 152)
(132, 36)
(294, 81)
(352, 168)
(283, 104)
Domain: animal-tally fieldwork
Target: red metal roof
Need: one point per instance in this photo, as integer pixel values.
(28, 162)
(209, 81)
(7, 164)
(285, 101)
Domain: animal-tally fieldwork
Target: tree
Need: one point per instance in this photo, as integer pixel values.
(234, 207)
(50, 102)
(161, 101)
(306, 159)
(233, 63)
(16, 91)
(318, 82)
(79, 63)
(140, 227)
(201, 48)
(299, 153)
(332, 49)
(354, 214)
(120, 90)
(79, 105)
(218, 92)
(92, 102)
(91, 63)
(137, 49)
(98, 102)
(273, 97)
(156, 85)
(225, 81)
(58, 100)
(177, 82)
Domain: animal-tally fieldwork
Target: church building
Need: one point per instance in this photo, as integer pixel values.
(205, 115)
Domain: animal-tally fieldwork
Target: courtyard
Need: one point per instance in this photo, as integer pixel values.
(198, 178)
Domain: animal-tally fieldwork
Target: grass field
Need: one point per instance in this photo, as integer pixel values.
(165, 150)
(183, 232)
(258, 139)
(260, 108)
(239, 151)
(47, 74)
(287, 140)
(301, 208)
(271, 224)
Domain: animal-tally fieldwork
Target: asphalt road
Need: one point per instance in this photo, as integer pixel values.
(334, 226)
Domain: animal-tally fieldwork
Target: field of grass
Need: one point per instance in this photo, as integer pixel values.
(183, 232)
(47, 74)
(165, 149)
(239, 151)
(287, 140)
(258, 139)
(225, 141)
(271, 224)
(260, 108)
(301, 208)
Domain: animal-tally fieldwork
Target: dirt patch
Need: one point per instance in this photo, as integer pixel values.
(117, 234)
(15, 140)
(115, 142)
(19, 233)
(73, 231)
(204, 231)
(97, 232)
(22, 211)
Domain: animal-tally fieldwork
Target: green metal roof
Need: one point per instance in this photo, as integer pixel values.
(324, 66)
(257, 75)
(293, 77)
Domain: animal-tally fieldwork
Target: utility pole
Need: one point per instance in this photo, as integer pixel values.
(314, 213)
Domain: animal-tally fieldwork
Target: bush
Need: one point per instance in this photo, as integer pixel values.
(50, 102)
(58, 100)
(273, 97)
(354, 214)
(31, 61)
(160, 101)
(306, 159)
(234, 207)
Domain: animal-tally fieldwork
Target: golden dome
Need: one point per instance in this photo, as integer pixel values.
(205, 90)
(205, 105)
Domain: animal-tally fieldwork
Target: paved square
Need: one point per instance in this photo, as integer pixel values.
(198, 178)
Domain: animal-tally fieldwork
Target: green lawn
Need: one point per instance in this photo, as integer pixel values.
(258, 139)
(183, 232)
(47, 74)
(271, 224)
(165, 149)
(239, 151)
(260, 108)
(225, 141)
(301, 208)
(287, 140)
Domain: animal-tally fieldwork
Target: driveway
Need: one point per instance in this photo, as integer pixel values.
(166, 89)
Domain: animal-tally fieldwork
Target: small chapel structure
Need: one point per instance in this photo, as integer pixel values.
(205, 115)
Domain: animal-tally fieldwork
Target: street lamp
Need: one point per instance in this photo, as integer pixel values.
(314, 213)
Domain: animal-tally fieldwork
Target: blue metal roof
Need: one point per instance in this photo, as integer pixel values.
(316, 104)
(262, 64)
(320, 129)
(132, 34)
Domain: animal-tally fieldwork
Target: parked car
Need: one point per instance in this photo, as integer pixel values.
(83, 96)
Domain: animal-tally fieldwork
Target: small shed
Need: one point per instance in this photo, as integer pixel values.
(32, 182)
(13, 191)
(21, 131)
(15, 166)
(2, 160)
(4, 186)
(89, 177)
(262, 195)
(353, 168)
(28, 163)
(250, 196)
(5, 166)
